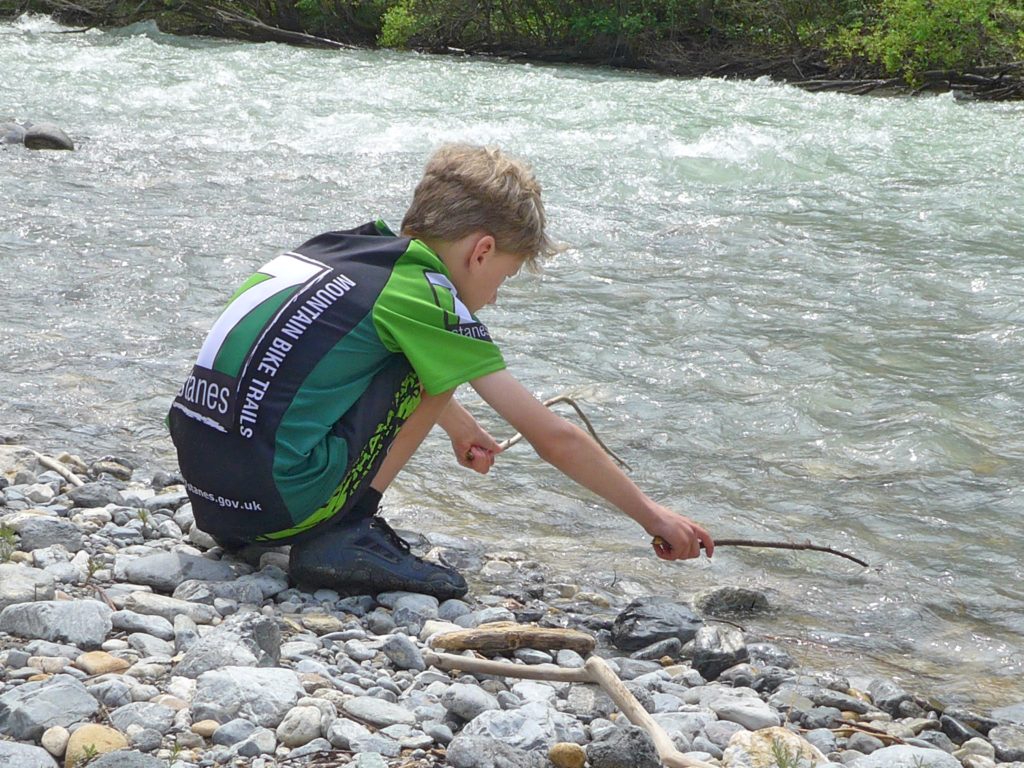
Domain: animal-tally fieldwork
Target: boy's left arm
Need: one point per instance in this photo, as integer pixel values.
(474, 447)
(575, 453)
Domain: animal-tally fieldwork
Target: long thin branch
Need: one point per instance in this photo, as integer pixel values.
(596, 670)
(660, 542)
(59, 468)
(590, 427)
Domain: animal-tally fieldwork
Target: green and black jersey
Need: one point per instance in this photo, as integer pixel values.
(307, 375)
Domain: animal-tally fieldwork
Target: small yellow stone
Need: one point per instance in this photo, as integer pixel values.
(100, 663)
(91, 740)
(205, 728)
(565, 754)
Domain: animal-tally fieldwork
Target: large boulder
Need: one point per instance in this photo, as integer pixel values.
(30, 709)
(262, 696)
(22, 584)
(243, 640)
(47, 136)
(85, 623)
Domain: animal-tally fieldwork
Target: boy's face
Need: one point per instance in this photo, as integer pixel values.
(485, 277)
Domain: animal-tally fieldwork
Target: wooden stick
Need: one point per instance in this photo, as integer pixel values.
(579, 411)
(787, 545)
(59, 468)
(596, 670)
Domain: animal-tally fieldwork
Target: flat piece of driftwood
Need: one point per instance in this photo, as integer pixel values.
(596, 670)
(506, 636)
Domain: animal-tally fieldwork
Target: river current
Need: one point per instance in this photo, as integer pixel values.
(798, 316)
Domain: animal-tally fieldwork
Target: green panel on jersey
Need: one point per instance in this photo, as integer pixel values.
(242, 337)
(255, 279)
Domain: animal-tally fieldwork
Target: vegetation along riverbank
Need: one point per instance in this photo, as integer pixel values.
(974, 48)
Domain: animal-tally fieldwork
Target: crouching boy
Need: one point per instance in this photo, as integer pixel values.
(330, 365)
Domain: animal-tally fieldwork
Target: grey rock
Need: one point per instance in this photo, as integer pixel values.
(485, 752)
(242, 640)
(731, 601)
(232, 732)
(126, 758)
(312, 748)
(668, 647)
(630, 669)
(403, 652)
(439, 732)
(149, 646)
(166, 570)
(1013, 713)
(534, 726)
(826, 697)
(1008, 741)
(11, 133)
(752, 713)
(887, 695)
(957, 731)
(300, 726)
(378, 712)
(467, 701)
(14, 755)
(145, 739)
(569, 659)
(111, 693)
(933, 739)
(377, 743)
(450, 610)
(628, 747)
(143, 714)
(719, 733)
(37, 531)
(368, 760)
(186, 633)
(29, 709)
(770, 655)
(903, 756)
(94, 495)
(263, 696)
(343, 732)
(864, 743)
(85, 623)
(47, 136)
(22, 584)
(261, 741)
(170, 500)
(716, 648)
(823, 739)
(169, 607)
(129, 621)
(270, 580)
(647, 620)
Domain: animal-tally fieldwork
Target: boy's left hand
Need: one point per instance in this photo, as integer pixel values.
(476, 450)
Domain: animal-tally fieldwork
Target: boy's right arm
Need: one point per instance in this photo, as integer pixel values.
(575, 453)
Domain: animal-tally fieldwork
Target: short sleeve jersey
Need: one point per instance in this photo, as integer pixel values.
(309, 371)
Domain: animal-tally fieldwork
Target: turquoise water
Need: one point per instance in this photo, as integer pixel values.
(798, 316)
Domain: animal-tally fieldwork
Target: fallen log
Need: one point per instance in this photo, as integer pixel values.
(507, 636)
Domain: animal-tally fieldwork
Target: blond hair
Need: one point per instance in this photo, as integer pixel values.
(467, 188)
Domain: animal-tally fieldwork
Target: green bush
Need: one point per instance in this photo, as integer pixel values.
(911, 37)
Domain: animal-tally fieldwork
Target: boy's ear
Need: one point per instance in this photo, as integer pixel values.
(482, 247)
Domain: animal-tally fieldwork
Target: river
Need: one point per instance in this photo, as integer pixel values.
(798, 316)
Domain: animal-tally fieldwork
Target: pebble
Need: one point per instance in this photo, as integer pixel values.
(208, 660)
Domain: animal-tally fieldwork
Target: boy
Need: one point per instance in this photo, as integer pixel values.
(331, 364)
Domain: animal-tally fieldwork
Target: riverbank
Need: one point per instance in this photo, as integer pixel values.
(832, 58)
(126, 630)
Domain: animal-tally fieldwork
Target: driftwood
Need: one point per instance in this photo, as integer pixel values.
(596, 670)
(59, 468)
(506, 636)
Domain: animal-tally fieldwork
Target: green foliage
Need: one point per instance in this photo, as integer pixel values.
(399, 25)
(783, 757)
(8, 543)
(910, 37)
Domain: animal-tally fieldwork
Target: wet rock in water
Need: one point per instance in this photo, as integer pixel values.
(1013, 713)
(1008, 741)
(731, 601)
(11, 133)
(717, 648)
(47, 136)
(957, 731)
(628, 747)
(648, 620)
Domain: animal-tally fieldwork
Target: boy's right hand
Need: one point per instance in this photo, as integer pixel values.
(676, 537)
